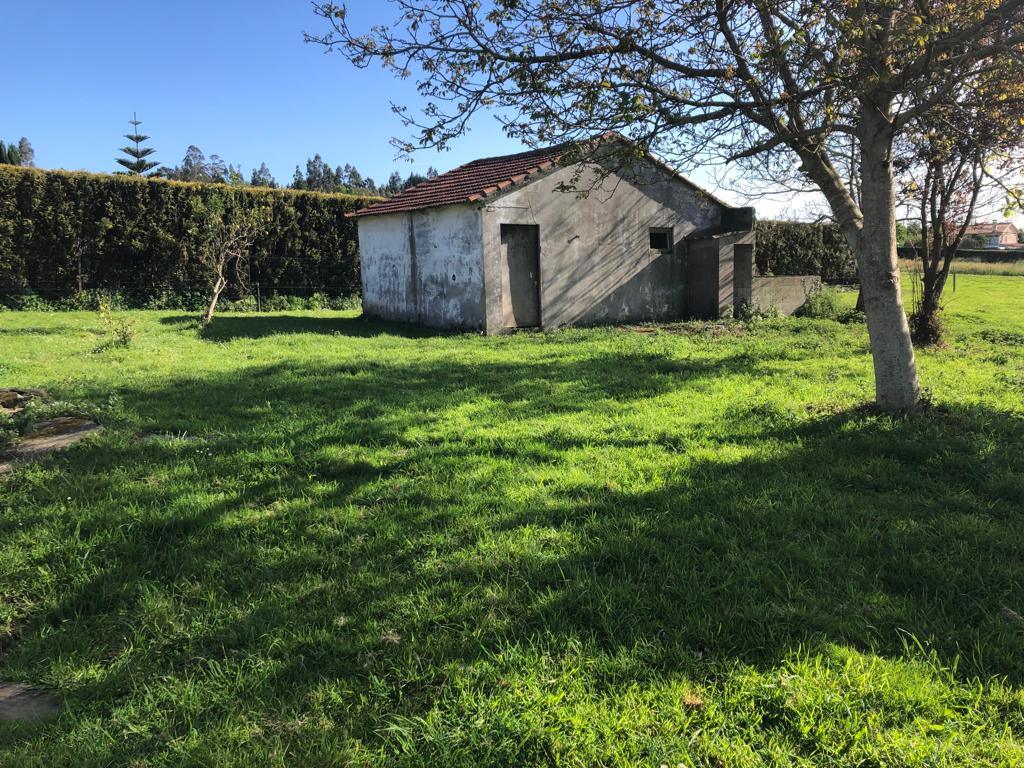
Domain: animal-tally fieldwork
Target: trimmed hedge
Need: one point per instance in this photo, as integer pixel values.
(987, 255)
(796, 248)
(62, 233)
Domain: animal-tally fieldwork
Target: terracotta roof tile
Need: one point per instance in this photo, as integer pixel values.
(990, 228)
(470, 182)
(480, 179)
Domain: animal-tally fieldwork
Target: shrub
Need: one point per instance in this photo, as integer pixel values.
(63, 234)
(244, 304)
(120, 331)
(828, 304)
(750, 313)
(926, 329)
(823, 304)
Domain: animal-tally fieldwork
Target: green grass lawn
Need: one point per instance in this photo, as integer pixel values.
(308, 539)
(971, 267)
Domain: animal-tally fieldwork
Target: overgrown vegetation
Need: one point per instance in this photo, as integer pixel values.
(65, 233)
(307, 539)
(831, 304)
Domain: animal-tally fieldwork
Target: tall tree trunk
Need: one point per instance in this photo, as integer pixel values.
(926, 325)
(896, 384)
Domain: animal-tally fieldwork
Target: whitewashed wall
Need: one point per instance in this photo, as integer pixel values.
(424, 267)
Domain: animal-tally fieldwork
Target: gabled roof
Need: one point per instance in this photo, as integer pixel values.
(991, 228)
(485, 178)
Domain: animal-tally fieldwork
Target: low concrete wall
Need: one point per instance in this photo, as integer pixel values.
(787, 293)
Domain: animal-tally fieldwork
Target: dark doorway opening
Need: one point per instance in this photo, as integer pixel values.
(520, 275)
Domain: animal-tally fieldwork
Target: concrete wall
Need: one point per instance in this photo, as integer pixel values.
(743, 273)
(703, 274)
(718, 273)
(424, 267)
(595, 259)
(786, 293)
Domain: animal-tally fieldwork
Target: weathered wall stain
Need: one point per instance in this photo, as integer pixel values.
(424, 267)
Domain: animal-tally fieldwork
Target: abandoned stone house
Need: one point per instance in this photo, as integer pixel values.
(500, 244)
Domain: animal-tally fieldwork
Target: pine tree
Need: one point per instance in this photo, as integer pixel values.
(394, 185)
(28, 155)
(138, 165)
(413, 180)
(13, 155)
(318, 175)
(3, 153)
(262, 177)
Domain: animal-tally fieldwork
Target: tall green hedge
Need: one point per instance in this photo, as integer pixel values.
(796, 248)
(61, 232)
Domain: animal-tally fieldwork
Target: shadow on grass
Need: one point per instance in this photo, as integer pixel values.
(226, 327)
(348, 533)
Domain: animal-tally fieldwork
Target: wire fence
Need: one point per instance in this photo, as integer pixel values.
(258, 294)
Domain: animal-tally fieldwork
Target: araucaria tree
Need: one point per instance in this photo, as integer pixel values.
(768, 81)
(137, 164)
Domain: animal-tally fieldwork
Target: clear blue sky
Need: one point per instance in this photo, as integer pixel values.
(234, 78)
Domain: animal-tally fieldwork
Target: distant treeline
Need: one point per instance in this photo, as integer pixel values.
(318, 176)
(62, 233)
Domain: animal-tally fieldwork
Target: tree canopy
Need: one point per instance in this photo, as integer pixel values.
(774, 85)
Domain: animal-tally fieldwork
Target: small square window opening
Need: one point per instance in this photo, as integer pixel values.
(660, 239)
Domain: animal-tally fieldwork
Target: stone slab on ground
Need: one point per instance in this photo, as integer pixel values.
(52, 435)
(44, 437)
(23, 703)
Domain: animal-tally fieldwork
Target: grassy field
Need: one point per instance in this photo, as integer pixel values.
(969, 267)
(313, 540)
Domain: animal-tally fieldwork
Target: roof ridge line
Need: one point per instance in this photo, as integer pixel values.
(486, 177)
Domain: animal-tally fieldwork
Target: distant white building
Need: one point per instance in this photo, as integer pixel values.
(1003, 234)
